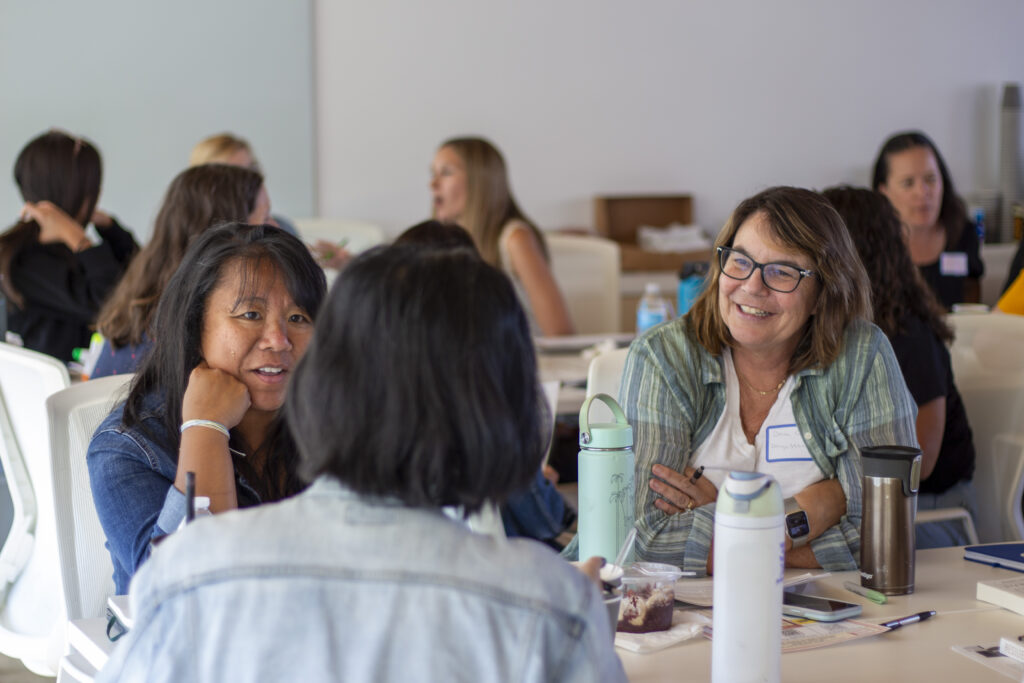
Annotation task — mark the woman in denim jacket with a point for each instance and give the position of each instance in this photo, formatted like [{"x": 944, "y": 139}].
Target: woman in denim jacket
[
  {"x": 233, "y": 322},
  {"x": 418, "y": 391}
]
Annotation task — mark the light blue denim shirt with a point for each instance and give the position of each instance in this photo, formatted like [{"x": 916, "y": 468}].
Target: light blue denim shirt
[
  {"x": 132, "y": 479},
  {"x": 332, "y": 586}
]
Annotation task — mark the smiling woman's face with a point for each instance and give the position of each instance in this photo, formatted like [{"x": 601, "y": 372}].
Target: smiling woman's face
[
  {"x": 760, "y": 319},
  {"x": 257, "y": 336}
]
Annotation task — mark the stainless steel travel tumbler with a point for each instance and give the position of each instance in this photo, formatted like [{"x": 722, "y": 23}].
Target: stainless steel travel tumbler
[{"x": 891, "y": 478}]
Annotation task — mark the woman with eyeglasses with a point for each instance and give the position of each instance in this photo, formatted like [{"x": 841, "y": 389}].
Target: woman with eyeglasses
[{"x": 775, "y": 369}]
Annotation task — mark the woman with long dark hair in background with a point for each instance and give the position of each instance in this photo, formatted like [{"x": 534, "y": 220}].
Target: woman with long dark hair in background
[{"x": 54, "y": 277}]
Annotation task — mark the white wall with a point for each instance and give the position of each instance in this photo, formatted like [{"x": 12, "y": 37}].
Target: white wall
[
  {"x": 718, "y": 99},
  {"x": 145, "y": 81}
]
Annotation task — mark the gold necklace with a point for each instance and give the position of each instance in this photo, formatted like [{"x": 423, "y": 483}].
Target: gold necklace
[{"x": 763, "y": 393}]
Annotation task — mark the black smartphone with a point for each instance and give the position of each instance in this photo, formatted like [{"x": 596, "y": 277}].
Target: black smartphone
[{"x": 817, "y": 608}]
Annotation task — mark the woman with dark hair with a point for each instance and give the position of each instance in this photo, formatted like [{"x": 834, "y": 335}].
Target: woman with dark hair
[
  {"x": 943, "y": 244},
  {"x": 913, "y": 319},
  {"x": 53, "y": 276},
  {"x": 231, "y": 325},
  {"x": 197, "y": 198},
  {"x": 469, "y": 184},
  {"x": 538, "y": 511},
  {"x": 775, "y": 369},
  {"x": 417, "y": 392}
]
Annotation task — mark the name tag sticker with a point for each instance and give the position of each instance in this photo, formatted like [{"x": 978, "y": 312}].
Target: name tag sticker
[
  {"x": 783, "y": 443},
  {"x": 953, "y": 263}
]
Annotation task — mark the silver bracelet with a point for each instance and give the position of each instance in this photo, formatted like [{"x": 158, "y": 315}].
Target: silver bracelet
[{"x": 209, "y": 424}]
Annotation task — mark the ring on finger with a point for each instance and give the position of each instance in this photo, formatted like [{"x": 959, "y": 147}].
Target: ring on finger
[{"x": 689, "y": 506}]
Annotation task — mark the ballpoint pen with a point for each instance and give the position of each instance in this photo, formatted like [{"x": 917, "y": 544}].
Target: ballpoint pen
[
  {"x": 873, "y": 596},
  {"x": 912, "y": 619},
  {"x": 697, "y": 474}
]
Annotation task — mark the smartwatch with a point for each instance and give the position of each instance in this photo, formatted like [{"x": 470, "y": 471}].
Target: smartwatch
[{"x": 797, "y": 527}]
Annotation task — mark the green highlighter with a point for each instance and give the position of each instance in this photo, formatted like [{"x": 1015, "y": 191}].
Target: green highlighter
[{"x": 872, "y": 595}]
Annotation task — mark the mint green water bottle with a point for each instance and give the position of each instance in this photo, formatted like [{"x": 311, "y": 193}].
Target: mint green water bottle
[{"x": 605, "y": 481}]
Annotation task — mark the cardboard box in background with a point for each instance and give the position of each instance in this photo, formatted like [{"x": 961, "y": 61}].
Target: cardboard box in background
[{"x": 619, "y": 216}]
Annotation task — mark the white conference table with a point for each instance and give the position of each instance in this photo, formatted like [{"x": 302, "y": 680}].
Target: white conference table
[{"x": 945, "y": 582}]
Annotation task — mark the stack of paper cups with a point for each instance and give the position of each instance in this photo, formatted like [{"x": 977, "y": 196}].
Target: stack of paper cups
[{"x": 1009, "y": 161}]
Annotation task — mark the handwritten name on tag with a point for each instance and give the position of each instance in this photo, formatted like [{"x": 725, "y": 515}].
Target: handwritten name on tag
[{"x": 783, "y": 443}]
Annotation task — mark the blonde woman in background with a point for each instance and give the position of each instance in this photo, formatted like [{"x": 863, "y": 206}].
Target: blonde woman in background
[
  {"x": 226, "y": 148},
  {"x": 469, "y": 184}
]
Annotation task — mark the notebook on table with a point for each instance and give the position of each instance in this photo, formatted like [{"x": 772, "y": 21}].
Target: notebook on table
[{"x": 1005, "y": 555}]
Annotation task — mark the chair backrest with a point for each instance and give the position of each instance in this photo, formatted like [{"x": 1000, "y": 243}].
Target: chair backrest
[
  {"x": 85, "y": 565},
  {"x": 587, "y": 270},
  {"x": 988, "y": 368},
  {"x": 605, "y": 377},
  {"x": 359, "y": 235},
  {"x": 32, "y": 613}
]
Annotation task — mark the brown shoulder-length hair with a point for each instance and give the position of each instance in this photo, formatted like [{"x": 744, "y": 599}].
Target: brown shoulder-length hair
[
  {"x": 803, "y": 221},
  {"x": 198, "y": 198},
  {"x": 897, "y": 287},
  {"x": 58, "y": 168},
  {"x": 489, "y": 201}
]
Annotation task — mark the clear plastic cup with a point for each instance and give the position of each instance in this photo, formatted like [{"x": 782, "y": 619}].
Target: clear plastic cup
[{"x": 648, "y": 597}]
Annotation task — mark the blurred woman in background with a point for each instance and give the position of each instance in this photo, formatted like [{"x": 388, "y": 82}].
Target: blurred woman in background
[
  {"x": 943, "y": 243},
  {"x": 469, "y": 185},
  {"x": 198, "y": 198},
  {"x": 913, "y": 319},
  {"x": 53, "y": 275}
]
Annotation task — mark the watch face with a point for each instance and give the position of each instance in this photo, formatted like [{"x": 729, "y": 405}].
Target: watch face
[{"x": 797, "y": 525}]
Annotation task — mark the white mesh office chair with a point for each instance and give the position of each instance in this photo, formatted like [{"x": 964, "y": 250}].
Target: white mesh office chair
[
  {"x": 86, "y": 567},
  {"x": 587, "y": 270},
  {"x": 604, "y": 376},
  {"x": 32, "y": 612},
  {"x": 988, "y": 366}
]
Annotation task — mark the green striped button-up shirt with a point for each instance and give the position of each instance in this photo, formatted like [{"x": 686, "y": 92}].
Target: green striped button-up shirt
[{"x": 673, "y": 392}]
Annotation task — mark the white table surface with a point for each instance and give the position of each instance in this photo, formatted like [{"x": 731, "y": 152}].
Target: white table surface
[{"x": 945, "y": 582}]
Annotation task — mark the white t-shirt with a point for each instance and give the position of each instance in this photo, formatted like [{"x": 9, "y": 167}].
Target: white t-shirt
[{"x": 778, "y": 448}]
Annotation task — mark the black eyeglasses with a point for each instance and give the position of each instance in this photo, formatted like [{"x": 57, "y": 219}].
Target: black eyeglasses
[{"x": 777, "y": 276}]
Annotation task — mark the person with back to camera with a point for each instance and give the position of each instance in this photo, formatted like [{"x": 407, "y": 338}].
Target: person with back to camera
[
  {"x": 537, "y": 511},
  {"x": 362, "y": 577},
  {"x": 53, "y": 276},
  {"x": 777, "y": 345},
  {"x": 913, "y": 319},
  {"x": 943, "y": 243},
  {"x": 232, "y": 324},
  {"x": 469, "y": 185},
  {"x": 197, "y": 198}
]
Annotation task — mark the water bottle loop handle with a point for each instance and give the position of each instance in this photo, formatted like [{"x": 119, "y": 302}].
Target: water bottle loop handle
[{"x": 613, "y": 405}]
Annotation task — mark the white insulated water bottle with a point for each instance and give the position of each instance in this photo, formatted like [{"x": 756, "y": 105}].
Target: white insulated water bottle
[{"x": 750, "y": 553}]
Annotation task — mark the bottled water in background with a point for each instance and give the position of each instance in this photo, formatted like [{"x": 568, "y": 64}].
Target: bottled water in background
[
  {"x": 979, "y": 223},
  {"x": 653, "y": 309}
]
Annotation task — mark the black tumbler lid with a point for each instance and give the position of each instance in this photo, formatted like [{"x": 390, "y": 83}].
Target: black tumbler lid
[{"x": 893, "y": 462}]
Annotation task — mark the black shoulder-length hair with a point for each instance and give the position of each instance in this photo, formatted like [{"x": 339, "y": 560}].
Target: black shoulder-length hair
[
  {"x": 897, "y": 287},
  {"x": 178, "y": 327},
  {"x": 420, "y": 382}
]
